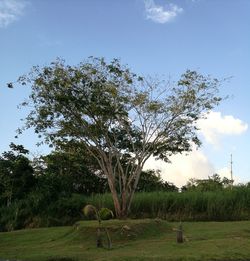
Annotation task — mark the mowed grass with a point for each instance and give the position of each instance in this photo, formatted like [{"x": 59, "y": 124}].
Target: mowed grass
[{"x": 147, "y": 240}]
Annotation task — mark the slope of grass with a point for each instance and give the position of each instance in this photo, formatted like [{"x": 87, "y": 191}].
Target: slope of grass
[{"x": 147, "y": 240}]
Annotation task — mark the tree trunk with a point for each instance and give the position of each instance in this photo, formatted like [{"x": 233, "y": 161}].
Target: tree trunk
[
  {"x": 132, "y": 192},
  {"x": 121, "y": 206},
  {"x": 116, "y": 201},
  {"x": 124, "y": 203}
]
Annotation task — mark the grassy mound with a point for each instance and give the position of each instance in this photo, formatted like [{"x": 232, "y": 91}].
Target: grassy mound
[
  {"x": 142, "y": 240},
  {"x": 123, "y": 230}
]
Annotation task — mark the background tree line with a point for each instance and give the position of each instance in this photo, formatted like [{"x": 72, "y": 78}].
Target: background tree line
[{"x": 52, "y": 189}]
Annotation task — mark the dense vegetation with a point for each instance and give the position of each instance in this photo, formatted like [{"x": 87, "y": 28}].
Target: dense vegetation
[
  {"x": 219, "y": 205},
  {"x": 53, "y": 189}
]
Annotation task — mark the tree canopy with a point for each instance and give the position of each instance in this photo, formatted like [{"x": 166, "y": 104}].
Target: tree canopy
[
  {"x": 16, "y": 174},
  {"x": 121, "y": 119}
]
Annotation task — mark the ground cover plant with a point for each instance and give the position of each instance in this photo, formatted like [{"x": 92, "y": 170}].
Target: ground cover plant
[{"x": 146, "y": 240}]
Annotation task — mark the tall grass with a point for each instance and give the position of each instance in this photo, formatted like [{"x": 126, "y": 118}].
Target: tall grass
[
  {"x": 223, "y": 205},
  {"x": 220, "y": 205}
]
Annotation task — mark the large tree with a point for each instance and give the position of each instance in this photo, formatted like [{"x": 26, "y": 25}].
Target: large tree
[{"x": 120, "y": 118}]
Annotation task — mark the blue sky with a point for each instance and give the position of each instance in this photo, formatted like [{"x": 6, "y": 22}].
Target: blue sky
[{"x": 153, "y": 37}]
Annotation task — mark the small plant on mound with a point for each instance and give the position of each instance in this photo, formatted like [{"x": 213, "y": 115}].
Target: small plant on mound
[
  {"x": 91, "y": 212},
  {"x": 105, "y": 214}
]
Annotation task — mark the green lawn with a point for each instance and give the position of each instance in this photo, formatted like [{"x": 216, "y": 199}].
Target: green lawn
[{"x": 146, "y": 240}]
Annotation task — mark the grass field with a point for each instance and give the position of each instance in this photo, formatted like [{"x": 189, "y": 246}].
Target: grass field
[{"x": 147, "y": 240}]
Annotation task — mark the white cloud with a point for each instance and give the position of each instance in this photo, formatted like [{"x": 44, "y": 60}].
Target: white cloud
[
  {"x": 225, "y": 172},
  {"x": 183, "y": 167},
  {"x": 196, "y": 164},
  {"x": 216, "y": 125},
  {"x": 160, "y": 14},
  {"x": 10, "y": 11}
]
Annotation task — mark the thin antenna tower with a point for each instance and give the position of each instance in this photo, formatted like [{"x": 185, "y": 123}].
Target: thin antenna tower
[{"x": 231, "y": 168}]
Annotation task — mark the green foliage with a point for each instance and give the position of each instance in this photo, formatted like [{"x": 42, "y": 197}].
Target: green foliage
[
  {"x": 67, "y": 209},
  {"x": 37, "y": 211},
  {"x": 103, "y": 213},
  {"x": 76, "y": 169},
  {"x": 106, "y": 214},
  {"x": 221, "y": 205},
  {"x": 119, "y": 118},
  {"x": 151, "y": 181},
  {"x": 213, "y": 183},
  {"x": 42, "y": 195},
  {"x": 16, "y": 175}
]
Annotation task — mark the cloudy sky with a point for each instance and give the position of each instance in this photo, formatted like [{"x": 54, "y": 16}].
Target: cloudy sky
[{"x": 159, "y": 37}]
